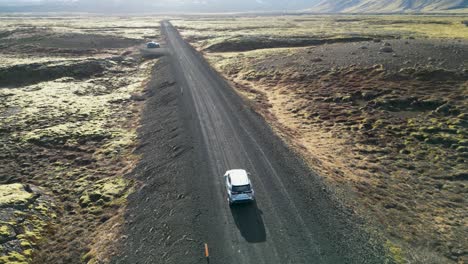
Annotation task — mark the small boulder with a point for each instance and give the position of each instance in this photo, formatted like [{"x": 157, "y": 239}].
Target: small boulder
[
  {"x": 317, "y": 60},
  {"x": 447, "y": 109},
  {"x": 137, "y": 97},
  {"x": 386, "y": 49}
]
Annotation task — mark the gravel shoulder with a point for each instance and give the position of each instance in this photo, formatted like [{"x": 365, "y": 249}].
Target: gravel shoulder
[{"x": 160, "y": 222}]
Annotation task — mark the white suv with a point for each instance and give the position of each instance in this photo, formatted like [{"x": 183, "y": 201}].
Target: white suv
[
  {"x": 238, "y": 186},
  {"x": 153, "y": 45}
]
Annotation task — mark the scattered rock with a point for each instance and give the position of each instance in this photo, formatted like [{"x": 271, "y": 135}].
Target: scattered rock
[
  {"x": 138, "y": 97},
  {"x": 386, "y": 49},
  {"x": 126, "y": 53},
  {"x": 317, "y": 60},
  {"x": 377, "y": 40},
  {"x": 95, "y": 196},
  {"x": 447, "y": 109}
]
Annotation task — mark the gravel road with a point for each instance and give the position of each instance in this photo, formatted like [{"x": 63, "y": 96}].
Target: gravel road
[{"x": 295, "y": 219}]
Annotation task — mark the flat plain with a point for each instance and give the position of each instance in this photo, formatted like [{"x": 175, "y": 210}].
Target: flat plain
[
  {"x": 70, "y": 100},
  {"x": 376, "y": 104}
]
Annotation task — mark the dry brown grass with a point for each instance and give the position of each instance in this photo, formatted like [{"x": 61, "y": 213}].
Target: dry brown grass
[{"x": 392, "y": 143}]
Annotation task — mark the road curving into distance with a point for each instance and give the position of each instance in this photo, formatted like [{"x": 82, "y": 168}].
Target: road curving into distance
[{"x": 295, "y": 219}]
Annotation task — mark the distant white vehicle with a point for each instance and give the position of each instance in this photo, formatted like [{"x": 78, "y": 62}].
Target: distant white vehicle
[
  {"x": 238, "y": 186},
  {"x": 153, "y": 45}
]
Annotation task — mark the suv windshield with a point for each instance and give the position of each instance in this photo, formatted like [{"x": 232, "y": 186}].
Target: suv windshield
[{"x": 243, "y": 188}]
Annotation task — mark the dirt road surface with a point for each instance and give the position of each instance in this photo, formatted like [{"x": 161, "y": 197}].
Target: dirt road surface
[{"x": 295, "y": 219}]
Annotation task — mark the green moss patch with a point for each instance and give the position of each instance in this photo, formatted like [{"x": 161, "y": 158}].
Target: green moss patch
[
  {"x": 396, "y": 253},
  {"x": 74, "y": 132},
  {"x": 104, "y": 192},
  {"x": 13, "y": 195},
  {"x": 68, "y": 119},
  {"x": 14, "y": 258},
  {"x": 7, "y": 232},
  {"x": 26, "y": 214}
]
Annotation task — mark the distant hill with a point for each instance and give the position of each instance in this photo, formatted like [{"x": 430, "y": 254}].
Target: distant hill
[{"x": 388, "y": 6}]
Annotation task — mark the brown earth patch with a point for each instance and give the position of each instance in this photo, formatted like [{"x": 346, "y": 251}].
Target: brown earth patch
[{"x": 392, "y": 138}]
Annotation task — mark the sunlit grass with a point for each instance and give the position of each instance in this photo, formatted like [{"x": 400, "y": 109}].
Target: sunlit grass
[
  {"x": 129, "y": 27},
  {"x": 326, "y": 26}
]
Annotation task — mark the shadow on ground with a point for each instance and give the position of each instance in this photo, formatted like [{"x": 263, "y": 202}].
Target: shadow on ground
[
  {"x": 152, "y": 53},
  {"x": 249, "y": 221}
]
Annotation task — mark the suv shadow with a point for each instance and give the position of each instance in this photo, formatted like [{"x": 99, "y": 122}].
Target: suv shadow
[{"x": 249, "y": 221}]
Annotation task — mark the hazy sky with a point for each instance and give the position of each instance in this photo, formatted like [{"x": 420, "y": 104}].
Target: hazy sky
[
  {"x": 166, "y": 5},
  {"x": 205, "y": 6}
]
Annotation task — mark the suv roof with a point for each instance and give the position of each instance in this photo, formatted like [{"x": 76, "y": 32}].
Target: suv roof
[{"x": 238, "y": 177}]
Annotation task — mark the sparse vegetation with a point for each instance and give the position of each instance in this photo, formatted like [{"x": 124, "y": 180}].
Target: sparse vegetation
[
  {"x": 388, "y": 129},
  {"x": 67, "y": 132},
  {"x": 247, "y": 33}
]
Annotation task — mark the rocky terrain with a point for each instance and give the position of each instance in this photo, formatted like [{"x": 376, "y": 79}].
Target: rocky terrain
[
  {"x": 71, "y": 91},
  {"x": 380, "y": 112}
]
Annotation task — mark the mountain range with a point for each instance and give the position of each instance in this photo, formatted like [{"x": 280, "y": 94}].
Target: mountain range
[
  {"x": 387, "y": 6},
  {"x": 316, "y": 6}
]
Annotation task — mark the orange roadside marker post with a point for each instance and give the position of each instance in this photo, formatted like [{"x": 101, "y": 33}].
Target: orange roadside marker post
[{"x": 207, "y": 253}]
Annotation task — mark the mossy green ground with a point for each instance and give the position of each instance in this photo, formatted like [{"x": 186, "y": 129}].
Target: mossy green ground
[
  {"x": 25, "y": 215},
  {"x": 207, "y": 31},
  {"x": 69, "y": 132},
  {"x": 14, "y": 194}
]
